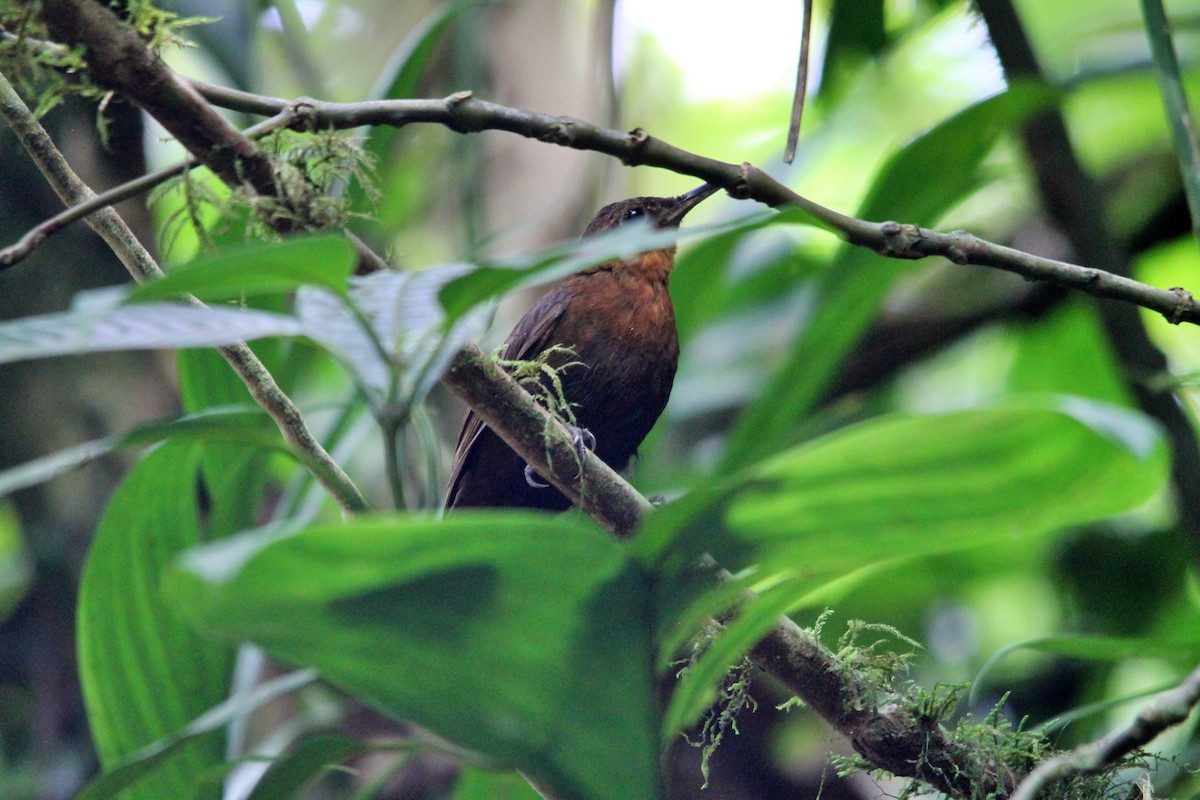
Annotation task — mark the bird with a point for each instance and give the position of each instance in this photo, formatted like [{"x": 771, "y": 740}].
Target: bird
[{"x": 609, "y": 332}]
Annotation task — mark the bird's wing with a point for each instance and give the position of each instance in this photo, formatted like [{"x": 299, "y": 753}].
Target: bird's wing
[{"x": 528, "y": 339}]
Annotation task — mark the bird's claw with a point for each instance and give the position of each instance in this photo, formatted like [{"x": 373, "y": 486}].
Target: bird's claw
[
  {"x": 532, "y": 481},
  {"x": 583, "y": 439}
]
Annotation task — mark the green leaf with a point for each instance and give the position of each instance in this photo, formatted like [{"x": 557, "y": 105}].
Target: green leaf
[
  {"x": 145, "y": 761},
  {"x": 246, "y": 270},
  {"x": 16, "y": 563},
  {"x": 392, "y": 336},
  {"x": 400, "y": 78},
  {"x": 895, "y": 488},
  {"x": 99, "y": 324},
  {"x": 246, "y": 426},
  {"x": 711, "y": 285},
  {"x": 1067, "y": 352},
  {"x": 1097, "y": 648},
  {"x": 483, "y": 628},
  {"x": 235, "y": 475},
  {"x": 480, "y": 784},
  {"x": 910, "y": 486},
  {"x": 942, "y": 163},
  {"x": 857, "y": 31},
  {"x": 697, "y": 686},
  {"x": 144, "y": 674},
  {"x": 292, "y": 772}
]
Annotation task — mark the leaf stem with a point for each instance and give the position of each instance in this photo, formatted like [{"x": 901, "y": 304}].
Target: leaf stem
[{"x": 1183, "y": 128}]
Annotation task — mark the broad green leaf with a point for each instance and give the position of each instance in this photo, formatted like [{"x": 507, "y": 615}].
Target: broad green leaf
[
  {"x": 246, "y": 270},
  {"x": 943, "y": 164},
  {"x": 481, "y": 627},
  {"x": 145, "y": 326},
  {"x": 911, "y": 486},
  {"x": 895, "y": 488},
  {"x": 1067, "y": 352},
  {"x": 207, "y": 383},
  {"x": 235, "y": 474},
  {"x": 142, "y": 763},
  {"x": 144, "y": 674},
  {"x": 391, "y": 332}
]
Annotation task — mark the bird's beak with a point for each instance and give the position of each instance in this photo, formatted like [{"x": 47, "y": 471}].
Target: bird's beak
[{"x": 686, "y": 202}]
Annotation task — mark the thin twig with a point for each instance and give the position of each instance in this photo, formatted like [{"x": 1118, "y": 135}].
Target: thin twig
[
  {"x": 463, "y": 113},
  {"x": 142, "y": 266},
  {"x": 793, "y": 139},
  {"x": 35, "y": 236},
  {"x": 1171, "y": 708}
]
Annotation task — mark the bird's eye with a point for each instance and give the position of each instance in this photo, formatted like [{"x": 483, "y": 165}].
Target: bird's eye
[{"x": 632, "y": 213}]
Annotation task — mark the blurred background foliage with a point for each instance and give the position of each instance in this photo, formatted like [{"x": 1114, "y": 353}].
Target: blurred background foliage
[{"x": 909, "y": 336}]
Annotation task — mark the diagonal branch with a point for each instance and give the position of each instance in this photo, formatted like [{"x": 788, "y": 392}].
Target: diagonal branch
[
  {"x": 120, "y": 59},
  {"x": 891, "y": 737}
]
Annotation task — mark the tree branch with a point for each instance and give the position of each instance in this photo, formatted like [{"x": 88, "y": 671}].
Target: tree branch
[
  {"x": 34, "y": 237},
  {"x": 520, "y": 421},
  {"x": 118, "y": 58},
  {"x": 1171, "y": 708},
  {"x": 464, "y": 113}
]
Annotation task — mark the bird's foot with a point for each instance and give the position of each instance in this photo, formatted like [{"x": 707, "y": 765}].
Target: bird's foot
[
  {"x": 583, "y": 439},
  {"x": 532, "y": 481}
]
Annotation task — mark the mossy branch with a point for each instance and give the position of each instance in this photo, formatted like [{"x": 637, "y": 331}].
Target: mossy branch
[{"x": 1171, "y": 708}]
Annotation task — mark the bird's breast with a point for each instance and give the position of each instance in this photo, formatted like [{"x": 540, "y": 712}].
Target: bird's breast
[{"x": 625, "y": 339}]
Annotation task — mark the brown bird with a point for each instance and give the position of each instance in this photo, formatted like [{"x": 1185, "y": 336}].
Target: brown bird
[{"x": 618, "y": 321}]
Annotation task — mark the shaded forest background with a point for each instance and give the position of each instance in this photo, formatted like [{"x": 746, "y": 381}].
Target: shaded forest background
[{"x": 919, "y": 337}]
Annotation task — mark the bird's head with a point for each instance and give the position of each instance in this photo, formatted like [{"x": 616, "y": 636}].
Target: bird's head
[{"x": 661, "y": 212}]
